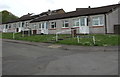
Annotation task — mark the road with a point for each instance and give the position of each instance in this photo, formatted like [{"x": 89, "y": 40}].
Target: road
[{"x": 24, "y": 59}]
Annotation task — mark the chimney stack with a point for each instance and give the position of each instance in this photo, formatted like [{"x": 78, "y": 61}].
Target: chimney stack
[
  {"x": 49, "y": 12},
  {"x": 89, "y": 6}
]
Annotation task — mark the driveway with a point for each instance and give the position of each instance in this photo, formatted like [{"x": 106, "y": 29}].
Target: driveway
[{"x": 49, "y": 59}]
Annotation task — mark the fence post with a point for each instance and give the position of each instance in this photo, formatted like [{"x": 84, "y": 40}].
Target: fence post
[
  {"x": 13, "y": 35},
  {"x": 94, "y": 39},
  {"x": 56, "y": 37},
  {"x": 78, "y": 39}
]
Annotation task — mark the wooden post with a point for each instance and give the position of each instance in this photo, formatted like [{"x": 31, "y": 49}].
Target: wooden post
[
  {"x": 93, "y": 39},
  {"x": 78, "y": 39},
  {"x": 13, "y": 35},
  {"x": 56, "y": 37}
]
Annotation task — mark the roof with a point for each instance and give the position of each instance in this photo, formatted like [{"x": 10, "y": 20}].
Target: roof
[
  {"x": 79, "y": 12},
  {"x": 23, "y": 18},
  {"x": 51, "y": 11},
  {"x": 29, "y": 16}
]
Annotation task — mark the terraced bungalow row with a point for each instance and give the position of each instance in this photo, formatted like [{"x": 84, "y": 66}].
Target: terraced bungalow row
[{"x": 83, "y": 20}]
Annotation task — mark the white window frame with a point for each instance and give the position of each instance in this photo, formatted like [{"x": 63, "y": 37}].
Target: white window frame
[
  {"x": 39, "y": 24},
  {"x": 23, "y": 24},
  {"x": 42, "y": 25},
  {"x": 85, "y": 21},
  {"x": 64, "y": 23},
  {"x": 53, "y": 24},
  {"x": 75, "y": 21},
  {"x": 98, "y": 19}
]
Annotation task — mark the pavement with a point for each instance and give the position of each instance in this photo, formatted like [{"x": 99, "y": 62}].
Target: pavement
[{"x": 31, "y": 58}]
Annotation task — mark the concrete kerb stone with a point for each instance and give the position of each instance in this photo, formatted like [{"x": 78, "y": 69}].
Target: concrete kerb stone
[{"x": 67, "y": 47}]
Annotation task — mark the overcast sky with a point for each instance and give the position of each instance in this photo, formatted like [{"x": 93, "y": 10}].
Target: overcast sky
[{"x": 22, "y": 7}]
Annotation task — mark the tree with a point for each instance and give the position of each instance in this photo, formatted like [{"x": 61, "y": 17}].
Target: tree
[{"x": 7, "y": 16}]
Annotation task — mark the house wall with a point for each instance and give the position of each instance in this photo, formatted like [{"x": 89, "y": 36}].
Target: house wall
[
  {"x": 59, "y": 26},
  {"x": 11, "y": 27},
  {"x": 93, "y": 29},
  {"x": 112, "y": 19},
  {"x": 119, "y": 15},
  {"x": 4, "y": 28},
  {"x": 100, "y": 29},
  {"x": 1, "y": 28}
]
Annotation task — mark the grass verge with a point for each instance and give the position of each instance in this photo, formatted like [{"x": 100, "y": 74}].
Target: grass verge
[{"x": 101, "y": 39}]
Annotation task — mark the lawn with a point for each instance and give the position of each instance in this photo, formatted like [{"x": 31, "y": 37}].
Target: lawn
[{"x": 101, "y": 39}]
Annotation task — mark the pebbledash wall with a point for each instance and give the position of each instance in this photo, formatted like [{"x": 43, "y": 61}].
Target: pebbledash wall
[
  {"x": 59, "y": 25},
  {"x": 109, "y": 20},
  {"x": 96, "y": 29}
]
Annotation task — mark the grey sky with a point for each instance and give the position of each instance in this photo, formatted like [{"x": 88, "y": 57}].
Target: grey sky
[{"x": 22, "y": 7}]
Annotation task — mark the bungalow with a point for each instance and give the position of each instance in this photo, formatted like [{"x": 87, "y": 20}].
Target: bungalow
[
  {"x": 22, "y": 23},
  {"x": 19, "y": 24},
  {"x": 84, "y": 20},
  {"x": 9, "y": 26},
  {"x": 35, "y": 28}
]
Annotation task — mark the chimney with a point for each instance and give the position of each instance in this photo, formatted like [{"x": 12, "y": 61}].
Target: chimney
[
  {"x": 89, "y": 6},
  {"x": 28, "y": 13},
  {"x": 49, "y": 12}
]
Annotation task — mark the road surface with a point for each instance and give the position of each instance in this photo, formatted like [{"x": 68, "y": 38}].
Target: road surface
[{"x": 24, "y": 59}]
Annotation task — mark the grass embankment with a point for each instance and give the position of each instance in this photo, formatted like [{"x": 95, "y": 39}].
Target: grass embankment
[{"x": 101, "y": 39}]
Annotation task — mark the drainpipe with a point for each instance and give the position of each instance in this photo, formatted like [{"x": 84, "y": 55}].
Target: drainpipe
[{"x": 105, "y": 24}]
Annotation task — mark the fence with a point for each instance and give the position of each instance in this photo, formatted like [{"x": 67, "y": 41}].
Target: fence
[{"x": 93, "y": 38}]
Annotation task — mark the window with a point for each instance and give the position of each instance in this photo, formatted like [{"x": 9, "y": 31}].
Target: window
[
  {"x": 47, "y": 24},
  {"x": 39, "y": 25},
  {"x": 76, "y": 22},
  {"x": 42, "y": 25},
  {"x": 6, "y": 26},
  {"x": 34, "y": 26},
  {"x": 27, "y": 24},
  {"x": 9, "y": 26},
  {"x": 14, "y": 26},
  {"x": 97, "y": 21},
  {"x": 83, "y": 21},
  {"x": 19, "y": 25},
  {"x": 22, "y": 24},
  {"x": 65, "y": 24},
  {"x": 53, "y": 25}
]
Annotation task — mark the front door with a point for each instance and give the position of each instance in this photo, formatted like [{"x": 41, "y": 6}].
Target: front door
[
  {"x": 17, "y": 30},
  {"x": 34, "y": 32},
  {"x": 84, "y": 28},
  {"x": 44, "y": 28}
]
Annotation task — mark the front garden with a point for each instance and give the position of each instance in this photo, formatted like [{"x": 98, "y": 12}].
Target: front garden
[{"x": 86, "y": 40}]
